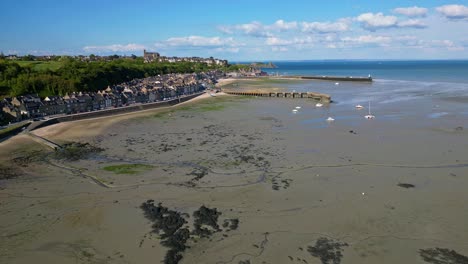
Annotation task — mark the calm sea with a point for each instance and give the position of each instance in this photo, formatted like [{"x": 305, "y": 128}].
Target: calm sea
[
  {"x": 394, "y": 81},
  {"x": 427, "y": 71}
]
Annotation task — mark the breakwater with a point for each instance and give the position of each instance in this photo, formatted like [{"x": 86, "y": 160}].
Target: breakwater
[
  {"x": 338, "y": 78},
  {"x": 325, "y": 98}
]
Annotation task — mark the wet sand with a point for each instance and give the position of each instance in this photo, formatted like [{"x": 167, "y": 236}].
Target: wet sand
[{"x": 292, "y": 180}]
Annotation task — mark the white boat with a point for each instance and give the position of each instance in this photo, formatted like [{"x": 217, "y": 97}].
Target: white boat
[
  {"x": 330, "y": 119},
  {"x": 212, "y": 94},
  {"x": 369, "y": 116},
  {"x": 298, "y": 107},
  {"x": 294, "y": 110},
  {"x": 318, "y": 105},
  {"x": 358, "y": 106},
  {"x": 337, "y": 83}
]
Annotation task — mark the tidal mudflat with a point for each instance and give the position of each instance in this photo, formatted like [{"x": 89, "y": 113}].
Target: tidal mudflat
[{"x": 242, "y": 180}]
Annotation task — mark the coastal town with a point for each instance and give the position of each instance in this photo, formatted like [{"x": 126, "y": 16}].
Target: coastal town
[{"x": 137, "y": 91}]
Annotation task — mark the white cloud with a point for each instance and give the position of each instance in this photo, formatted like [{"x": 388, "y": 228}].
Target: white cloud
[
  {"x": 274, "y": 41},
  {"x": 447, "y": 44},
  {"x": 325, "y": 27},
  {"x": 368, "y": 39},
  {"x": 282, "y": 49},
  {"x": 414, "y": 23},
  {"x": 228, "y": 49},
  {"x": 281, "y": 25},
  {"x": 453, "y": 11},
  {"x": 199, "y": 41},
  {"x": 115, "y": 48},
  {"x": 225, "y": 29},
  {"x": 371, "y": 21},
  {"x": 257, "y": 29},
  {"x": 411, "y": 11}
]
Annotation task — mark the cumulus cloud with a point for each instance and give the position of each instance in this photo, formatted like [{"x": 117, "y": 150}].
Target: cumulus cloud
[
  {"x": 257, "y": 29},
  {"x": 276, "y": 49},
  {"x": 372, "y": 22},
  {"x": 199, "y": 41},
  {"x": 282, "y": 25},
  {"x": 368, "y": 39},
  {"x": 115, "y": 48},
  {"x": 447, "y": 44},
  {"x": 414, "y": 23},
  {"x": 325, "y": 27},
  {"x": 453, "y": 11},
  {"x": 228, "y": 49},
  {"x": 275, "y": 41},
  {"x": 411, "y": 11}
]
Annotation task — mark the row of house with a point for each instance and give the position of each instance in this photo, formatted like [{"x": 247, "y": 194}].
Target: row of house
[
  {"x": 154, "y": 56},
  {"x": 138, "y": 91}
]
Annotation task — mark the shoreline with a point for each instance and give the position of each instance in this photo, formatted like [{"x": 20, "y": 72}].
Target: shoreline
[{"x": 105, "y": 121}]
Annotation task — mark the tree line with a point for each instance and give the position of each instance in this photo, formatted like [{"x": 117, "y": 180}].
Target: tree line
[{"x": 75, "y": 75}]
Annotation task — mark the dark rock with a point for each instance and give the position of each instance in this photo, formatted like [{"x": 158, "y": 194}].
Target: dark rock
[
  {"x": 206, "y": 221},
  {"x": 164, "y": 220},
  {"x": 231, "y": 223},
  {"x": 327, "y": 250},
  {"x": 406, "y": 185},
  {"x": 442, "y": 256},
  {"x": 168, "y": 224}
]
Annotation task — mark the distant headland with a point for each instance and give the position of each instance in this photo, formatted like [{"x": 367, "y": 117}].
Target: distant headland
[{"x": 265, "y": 65}]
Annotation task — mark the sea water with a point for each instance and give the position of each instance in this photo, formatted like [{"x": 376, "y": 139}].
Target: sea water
[
  {"x": 426, "y": 71},
  {"x": 425, "y": 89}
]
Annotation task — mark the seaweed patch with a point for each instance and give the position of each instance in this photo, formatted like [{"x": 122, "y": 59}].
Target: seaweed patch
[
  {"x": 75, "y": 151},
  {"x": 171, "y": 227},
  {"x": 206, "y": 221},
  {"x": 406, "y": 185},
  {"x": 442, "y": 256},
  {"x": 327, "y": 250}
]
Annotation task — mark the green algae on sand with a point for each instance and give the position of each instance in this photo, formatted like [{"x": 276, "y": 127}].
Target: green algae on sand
[{"x": 128, "y": 168}]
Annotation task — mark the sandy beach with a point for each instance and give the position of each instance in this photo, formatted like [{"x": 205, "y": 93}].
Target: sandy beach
[{"x": 287, "y": 187}]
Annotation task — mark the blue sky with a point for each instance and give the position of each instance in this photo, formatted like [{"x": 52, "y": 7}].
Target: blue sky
[{"x": 238, "y": 30}]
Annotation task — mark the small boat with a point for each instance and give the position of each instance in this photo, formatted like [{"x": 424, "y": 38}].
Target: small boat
[
  {"x": 294, "y": 110},
  {"x": 369, "y": 116},
  {"x": 337, "y": 83},
  {"x": 330, "y": 119},
  {"x": 212, "y": 94},
  {"x": 298, "y": 107},
  {"x": 318, "y": 105},
  {"x": 358, "y": 106}
]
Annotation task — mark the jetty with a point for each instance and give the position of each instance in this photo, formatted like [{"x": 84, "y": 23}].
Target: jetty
[
  {"x": 325, "y": 98},
  {"x": 338, "y": 78}
]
